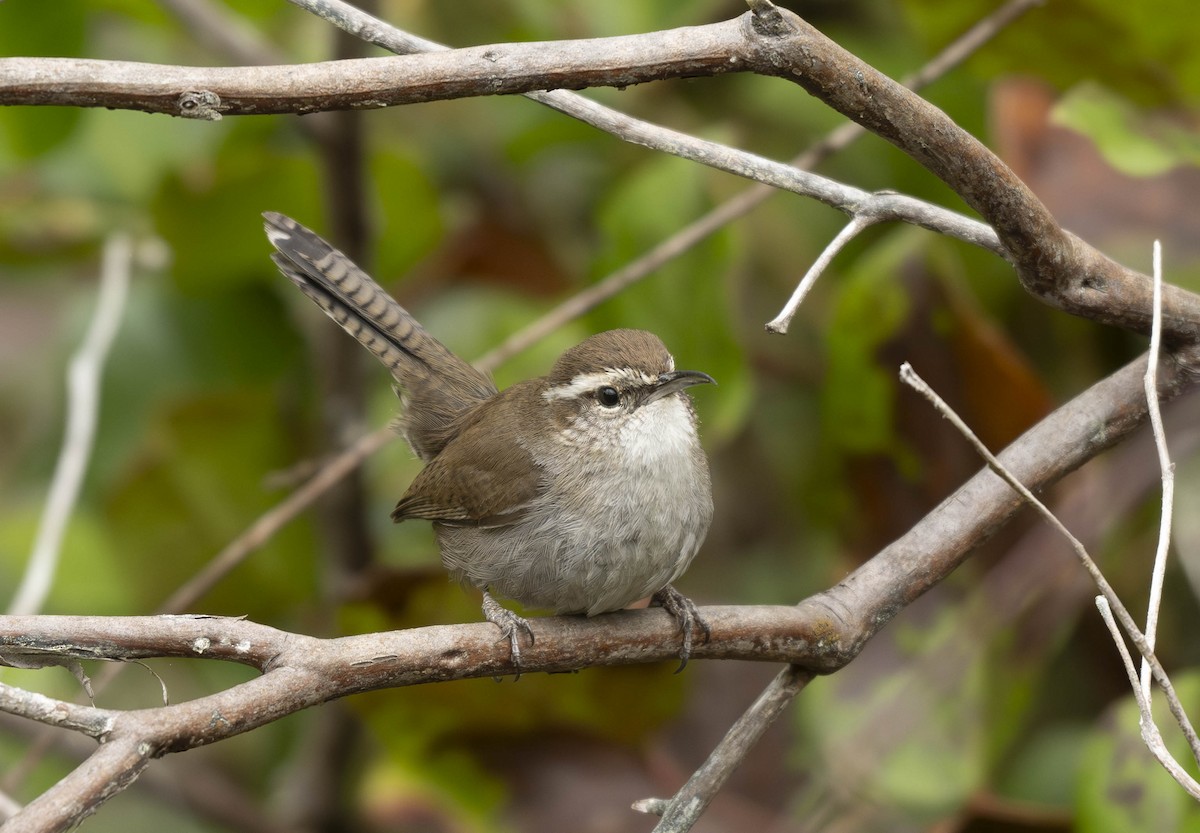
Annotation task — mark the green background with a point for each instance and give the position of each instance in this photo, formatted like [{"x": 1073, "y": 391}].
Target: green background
[{"x": 995, "y": 703}]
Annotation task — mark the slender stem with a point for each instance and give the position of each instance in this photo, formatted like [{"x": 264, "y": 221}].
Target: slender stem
[
  {"x": 84, "y": 376},
  {"x": 1165, "y": 465}
]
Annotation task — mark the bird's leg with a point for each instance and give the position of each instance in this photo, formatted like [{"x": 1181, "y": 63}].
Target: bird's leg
[
  {"x": 687, "y": 615},
  {"x": 511, "y": 625}
]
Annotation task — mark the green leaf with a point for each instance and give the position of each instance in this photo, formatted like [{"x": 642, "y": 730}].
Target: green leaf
[
  {"x": 1045, "y": 771},
  {"x": 210, "y": 213},
  {"x": 1132, "y": 141},
  {"x": 195, "y": 484},
  {"x": 28, "y": 31},
  {"x": 89, "y": 578},
  {"x": 1140, "y": 50},
  {"x": 859, "y": 397},
  {"x": 1123, "y": 789},
  {"x": 410, "y": 225},
  {"x": 904, "y": 736}
]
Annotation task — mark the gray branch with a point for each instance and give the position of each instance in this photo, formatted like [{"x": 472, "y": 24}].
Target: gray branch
[
  {"x": 1052, "y": 264},
  {"x": 821, "y": 634}
]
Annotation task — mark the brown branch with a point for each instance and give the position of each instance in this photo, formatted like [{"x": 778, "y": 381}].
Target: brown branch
[
  {"x": 191, "y": 785},
  {"x": 372, "y": 83},
  {"x": 1051, "y": 263},
  {"x": 1093, "y": 421},
  {"x": 821, "y": 634},
  {"x": 685, "y": 808},
  {"x": 353, "y": 664},
  {"x": 108, "y": 771}
]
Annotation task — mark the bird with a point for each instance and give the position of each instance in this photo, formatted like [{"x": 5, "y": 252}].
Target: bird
[{"x": 581, "y": 491}]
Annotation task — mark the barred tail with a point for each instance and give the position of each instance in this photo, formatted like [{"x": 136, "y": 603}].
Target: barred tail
[{"x": 437, "y": 384}]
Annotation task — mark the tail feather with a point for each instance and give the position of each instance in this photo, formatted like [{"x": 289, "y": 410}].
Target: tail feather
[{"x": 437, "y": 386}]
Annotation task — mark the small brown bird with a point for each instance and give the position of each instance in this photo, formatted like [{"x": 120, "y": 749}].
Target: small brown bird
[{"x": 582, "y": 491}]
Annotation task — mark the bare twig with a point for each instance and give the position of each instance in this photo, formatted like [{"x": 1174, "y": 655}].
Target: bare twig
[
  {"x": 320, "y": 86},
  {"x": 859, "y": 222},
  {"x": 1150, "y": 733},
  {"x": 687, "y": 805},
  {"x": 83, "y": 397},
  {"x": 1168, "y": 473},
  {"x": 909, "y": 376},
  {"x": 274, "y": 519},
  {"x": 89, "y": 720}
]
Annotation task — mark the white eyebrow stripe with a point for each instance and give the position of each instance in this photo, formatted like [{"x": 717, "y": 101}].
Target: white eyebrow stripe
[{"x": 585, "y": 382}]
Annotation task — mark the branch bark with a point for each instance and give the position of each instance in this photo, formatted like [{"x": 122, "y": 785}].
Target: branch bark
[
  {"x": 1052, "y": 264},
  {"x": 372, "y": 83},
  {"x": 821, "y": 634}
]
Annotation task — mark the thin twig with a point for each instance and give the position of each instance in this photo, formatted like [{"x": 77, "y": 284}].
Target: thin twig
[
  {"x": 910, "y": 377},
  {"x": 1165, "y": 465},
  {"x": 687, "y": 805},
  {"x": 83, "y": 406},
  {"x": 859, "y": 222},
  {"x": 271, "y": 521},
  {"x": 1150, "y": 732},
  {"x": 91, "y": 721}
]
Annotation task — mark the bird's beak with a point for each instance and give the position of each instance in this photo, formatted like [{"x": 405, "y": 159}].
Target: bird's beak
[{"x": 677, "y": 380}]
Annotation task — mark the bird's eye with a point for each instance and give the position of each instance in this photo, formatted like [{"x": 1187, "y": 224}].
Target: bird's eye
[{"x": 608, "y": 396}]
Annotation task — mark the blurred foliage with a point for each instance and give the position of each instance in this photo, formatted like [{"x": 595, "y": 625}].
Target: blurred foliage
[
  {"x": 1131, "y": 140},
  {"x": 981, "y": 708},
  {"x": 1121, "y": 785}
]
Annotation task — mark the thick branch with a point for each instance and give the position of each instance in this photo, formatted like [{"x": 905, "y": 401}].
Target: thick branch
[
  {"x": 359, "y": 663},
  {"x": 370, "y": 83},
  {"x": 1097, "y": 419},
  {"x": 109, "y": 770},
  {"x": 1053, "y": 264}
]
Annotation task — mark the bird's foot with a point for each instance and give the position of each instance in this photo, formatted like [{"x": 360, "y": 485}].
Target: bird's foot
[
  {"x": 687, "y": 615},
  {"x": 511, "y": 626}
]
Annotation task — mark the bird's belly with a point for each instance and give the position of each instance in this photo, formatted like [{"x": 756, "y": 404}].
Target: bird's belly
[{"x": 571, "y": 563}]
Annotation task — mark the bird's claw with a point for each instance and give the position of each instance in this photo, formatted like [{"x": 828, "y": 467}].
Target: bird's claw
[
  {"x": 511, "y": 626},
  {"x": 685, "y": 612}
]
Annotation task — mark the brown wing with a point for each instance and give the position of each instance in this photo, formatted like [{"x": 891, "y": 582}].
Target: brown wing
[{"x": 479, "y": 478}]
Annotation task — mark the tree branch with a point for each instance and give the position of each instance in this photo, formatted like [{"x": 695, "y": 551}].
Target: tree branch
[
  {"x": 1052, "y": 264},
  {"x": 1093, "y": 421},
  {"x": 372, "y": 83}
]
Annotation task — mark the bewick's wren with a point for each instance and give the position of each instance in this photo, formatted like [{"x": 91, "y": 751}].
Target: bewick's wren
[{"x": 582, "y": 491}]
